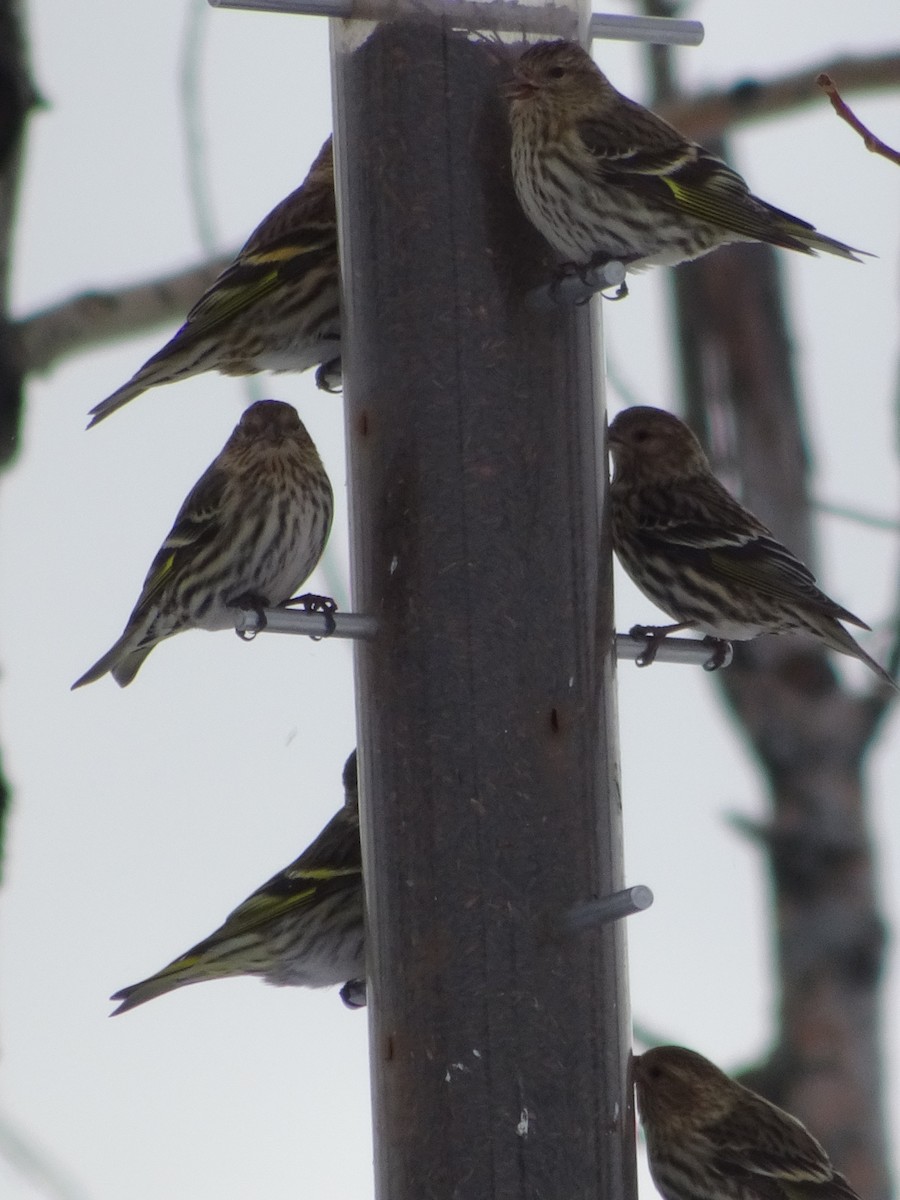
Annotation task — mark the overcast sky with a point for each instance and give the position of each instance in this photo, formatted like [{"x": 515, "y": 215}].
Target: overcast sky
[{"x": 142, "y": 816}]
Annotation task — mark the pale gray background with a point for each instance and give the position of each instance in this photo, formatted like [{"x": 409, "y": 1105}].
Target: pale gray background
[{"x": 142, "y": 816}]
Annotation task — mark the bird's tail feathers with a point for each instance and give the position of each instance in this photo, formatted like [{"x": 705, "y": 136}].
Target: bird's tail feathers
[
  {"x": 818, "y": 241},
  {"x": 176, "y": 975},
  {"x": 121, "y": 664},
  {"x": 101, "y": 667},
  {"x": 837, "y": 637},
  {"x": 119, "y": 397},
  {"x": 125, "y": 670},
  {"x": 810, "y": 241}
]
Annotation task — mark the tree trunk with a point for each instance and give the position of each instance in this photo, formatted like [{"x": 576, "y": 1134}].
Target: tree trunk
[
  {"x": 809, "y": 734},
  {"x": 17, "y": 96}
]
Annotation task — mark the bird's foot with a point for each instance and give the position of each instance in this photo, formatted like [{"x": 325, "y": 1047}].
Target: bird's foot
[
  {"x": 615, "y": 291},
  {"x": 312, "y": 603},
  {"x": 721, "y": 653},
  {"x": 580, "y": 271},
  {"x": 654, "y": 636},
  {"x": 562, "y": 291},
  {"x": 329, "y": 376},
  {"x": 353, "y": 993},
  {"x": 254, "y": 604}
]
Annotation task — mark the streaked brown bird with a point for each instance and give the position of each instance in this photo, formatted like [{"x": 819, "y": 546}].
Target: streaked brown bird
[
  {"x": 710, "y": 1138},
  {"x": 303, "y": 928},
  {"x": 603, "y": 178},
  {"x": 276, "y": 308},
  {"x": 699, "y": 555},
  {"x": 249, "y": 533}
]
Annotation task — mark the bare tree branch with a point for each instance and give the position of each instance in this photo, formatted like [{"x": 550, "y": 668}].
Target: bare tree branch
[
  {"x": 712, "y": 113},
  {"x": 81, "y": 322},
  {"x": 846, "y": 113}
]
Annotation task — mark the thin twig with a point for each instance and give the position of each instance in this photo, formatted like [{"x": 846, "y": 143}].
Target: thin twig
[
  {"x": 193, "y": 129},
  {"x": 34, "y": 1163},
  {"x": 847, "y": 513},
  {"x": 846, "y": 113}
]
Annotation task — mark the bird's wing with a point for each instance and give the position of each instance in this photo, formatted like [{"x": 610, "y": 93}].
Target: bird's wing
[
  {"x": 336, "y": 847},
  {"x": 256, "y": 274},
  {"x": 288, "y": 891},
  {"x": 707, "y": 188},
  {"x": 699, "y": 513},
  {"x": 781, "y": 1171},
  {"x": 644, "y": 152},
  {"x": 768, "y": 1146},
  {"x": 705, "y": 525},
  {"x": 308, "y": 211},
  {"x": 277, "y": 898},
  {"x": 835, "y": 1188},
  {"x": 760, "y": 563},
  {"x": 766, "y": 564},
  {"x": 197, "y": 522},
  {"x": 329, "y": 865},
  {"x": 639, "y": 143}
]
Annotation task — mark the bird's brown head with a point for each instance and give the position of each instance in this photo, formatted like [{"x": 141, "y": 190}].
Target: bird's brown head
[
  {"x": 678, "y": 1085},
  {"x": 270, "y": 420},
  {"x": 653, "y": 445},
  {"x": 560, "y": 75}
]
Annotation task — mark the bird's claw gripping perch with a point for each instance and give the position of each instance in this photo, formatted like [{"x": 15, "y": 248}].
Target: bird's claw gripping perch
[
  {"x": 353, "y": 993},
  {"x": 312, "y": 603},
  {"x": 619, "y": 294},
  {"x": 329, "y": 376},
  {"x": 653, "y": 636},
  {"x": 255, "y": 605},
  {"x": 591, "y": 276},
  {"x": 600, "y": 266},
  {"x": 721, "y": 653}
]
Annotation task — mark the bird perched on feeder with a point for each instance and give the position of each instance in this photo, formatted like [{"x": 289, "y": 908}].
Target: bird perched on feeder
[
  {"x": 304, "y": 928},
  {"x": 700, "y": 555},
  {"x": 275, "y": 308},
  {"x": 605, "y": 179},
  {"x": 251, "y": 531},
  {"x": 710, "y": 1138}
]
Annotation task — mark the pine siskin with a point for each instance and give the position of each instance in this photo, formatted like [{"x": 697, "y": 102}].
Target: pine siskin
[
  {"x": 250, "y": 532},
  {"x": 698, "y": 554},
  {"x": 603, "y": 178},
  {"x": 276, "y": 308},
  {"x": 304, "y": 928},
  {"x": 709, "y": 1138}
]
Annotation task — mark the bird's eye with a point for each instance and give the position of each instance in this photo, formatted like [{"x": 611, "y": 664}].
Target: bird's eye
[
  {"x": 641, "y": 435},
  {"x": 556, "y": 72}
]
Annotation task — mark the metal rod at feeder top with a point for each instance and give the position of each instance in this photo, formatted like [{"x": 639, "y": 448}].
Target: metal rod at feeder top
[{"x": 493, "y": 14}]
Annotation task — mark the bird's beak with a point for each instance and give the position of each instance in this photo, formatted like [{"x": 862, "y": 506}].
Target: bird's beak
[{"x": 518, "y": 89}]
